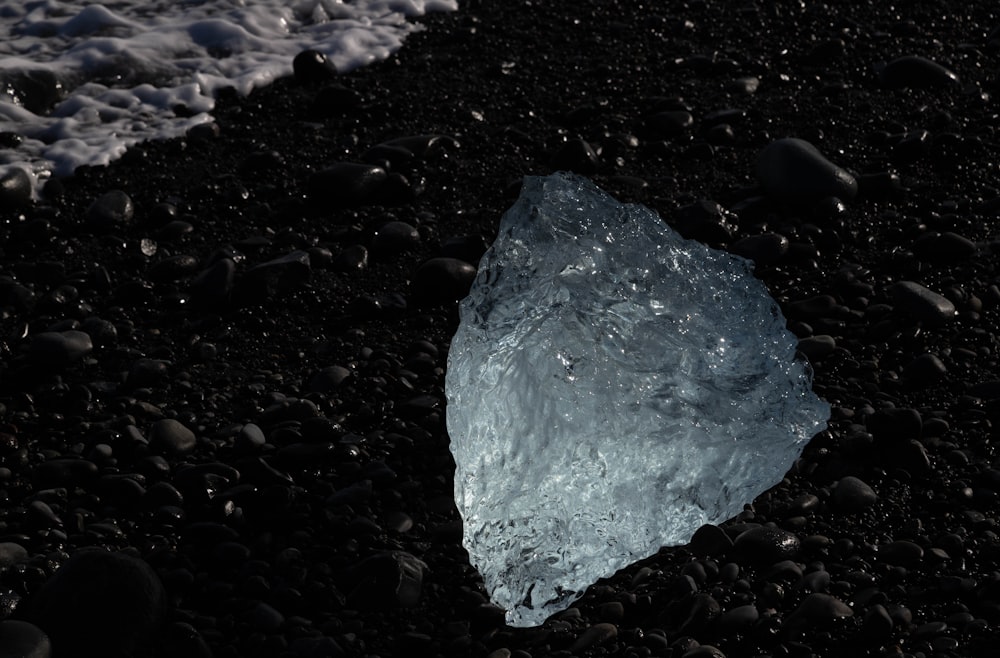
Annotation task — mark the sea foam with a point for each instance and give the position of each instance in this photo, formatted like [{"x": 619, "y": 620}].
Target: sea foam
[{"x": 116, "y": 74}]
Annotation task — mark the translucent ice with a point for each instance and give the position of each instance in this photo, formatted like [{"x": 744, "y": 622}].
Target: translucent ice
[{"x": 611, "y": 388}]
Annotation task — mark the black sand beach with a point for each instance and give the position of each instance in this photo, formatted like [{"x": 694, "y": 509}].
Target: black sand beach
[{"x": 233, "y": 379}]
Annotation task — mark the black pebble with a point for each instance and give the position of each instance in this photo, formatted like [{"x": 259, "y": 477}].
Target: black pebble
[
  {"x": 442, "y": 280},
  {"x": 915, "y": 72},
  {"x": 577, "y": 156},
  {"x": 171, "y": 437},
  {"x": 386, "y": 580},
  {"x": 923, "y": 304},
  {"x": 15, "y": 189},
  {"x": 767, "y": 544},
  {"x": 110, "y": 210},
  {"x": 710, "y": 540},
  {"x": 852, "y": 494},
  {"x": 59, "y": 349},
  {"x": 100, "y": 603},
  {"x": 312, "y": 67},
  {"x": 347, "y": 184},
  {"x": 20, "y": 639},
  {"x": 794, "y": 172}
]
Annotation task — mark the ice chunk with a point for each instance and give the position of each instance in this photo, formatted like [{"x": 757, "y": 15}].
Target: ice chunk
[{"x": 611, "y": 387}]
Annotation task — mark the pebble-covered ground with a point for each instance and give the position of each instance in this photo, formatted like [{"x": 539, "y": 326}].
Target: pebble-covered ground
[{"x": 223, "y": 356}]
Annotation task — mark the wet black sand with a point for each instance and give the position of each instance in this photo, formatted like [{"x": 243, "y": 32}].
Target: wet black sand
[{"x": 290, "y": 521}]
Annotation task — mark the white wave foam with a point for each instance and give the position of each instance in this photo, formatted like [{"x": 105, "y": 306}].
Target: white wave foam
[{"x": 120, "y": 70}]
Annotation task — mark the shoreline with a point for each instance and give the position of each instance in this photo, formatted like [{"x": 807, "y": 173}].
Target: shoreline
[{"x": 279, "y": 313}]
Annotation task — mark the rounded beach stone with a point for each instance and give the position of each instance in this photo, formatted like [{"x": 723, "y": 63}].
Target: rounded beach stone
[
  {"x": 111, "y": 209},
  {"x": 710, "y": 539},
  {"x": 311, "y": 66},
  {"x": 576, "y": 155},
  {"x": 922, "y": 303},
  {"x": 169, "y": 436},
  {"x": 20, "y": 639},
  {"x": 60, "y": 348},
  {"x": 346, "y": 184},
  {"x": 767, "y": 544},
  {"x": 443, "y": 280},
  {"x": 11, "y": 553},
  {"x": 15, "y": 189},
  {"x": 915, "y": 72},
  {"x": 597, "y": 634},
  {"x": 818, "y": 608},
  {"x": 794, "y": 172},
  {"x": 100, "y": 603},
  {"x": 852, "y": 494}
]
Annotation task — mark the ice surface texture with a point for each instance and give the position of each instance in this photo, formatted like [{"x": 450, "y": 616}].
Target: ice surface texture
[{"x": 611, "y": 388}]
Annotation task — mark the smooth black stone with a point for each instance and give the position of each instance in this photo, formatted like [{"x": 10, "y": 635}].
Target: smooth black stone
[
  {"x": 944, "y": 247},
  {"x": 313, "y": 67},
  {"x": 275, "y": 277},
  {"x": 328, "y": 379},
  {"x": 64, "y": 472},
  {"x": 171, "y": 437},
  {"x": 595, "y": 635},
  {"x": 395, "y": 237},
  {"x": 902, "y": 553},
  {"x": 100, "y": 603},
  {"x": 710, "y": 540},
  {"x": 577, "y": 156},
  {"x": 469, "y": 248},
  {"x": 915, "y": 72},
  {"x": 147, "y": 372},
  {"x": 214, "y": 284},
  {"x": 442, "y": 280},
  {"x": 11, "y": 553},
  {"x": 335, "y": 100},
  {"x": 110, "y": 210},
  {"x": 793, "y": 172},
  {"x": 737, "y": 620},
  {"x": 925, "y": 370},
  {"x": 386, "y": 580},
  {"x": 877, "y": 622},
  {"x": 347, "y": 184},
  {"x": 36, "y": 90},
  {"x": 351, "y": 259},
  {"x": 20, "y": 639},
  {"x": 819, "y": 608},
  {"x": 59, "y": 349},
  {"x": 895, "y": 424},
  {"x": 817, "y": 347},
  {"x": 922, "y": 303},
  {"x": 15, "y": 189},
  {"x": 705, "y": 221},
  {"x": 670, "y": 123},
  {"x": 764, "y": 249},
  {"x": 852, "y": 494},
  {"x": 766, "y": 544},
  {"x": 424, "y": 146}
]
